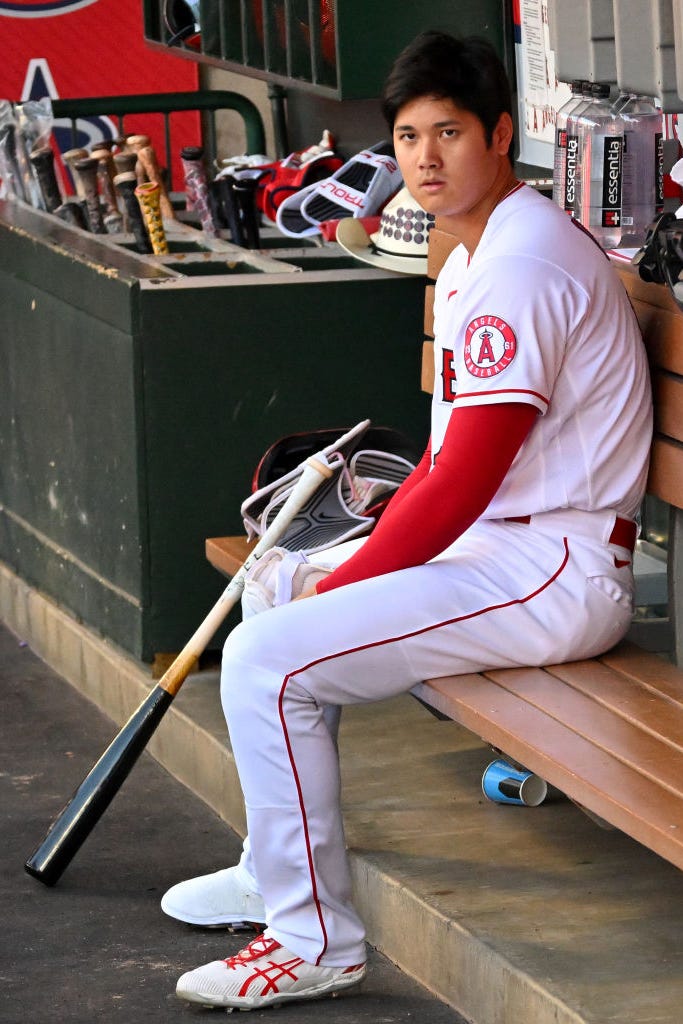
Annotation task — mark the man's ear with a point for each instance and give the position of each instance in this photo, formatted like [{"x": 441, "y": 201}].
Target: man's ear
[{"x": 503, "y": 134}]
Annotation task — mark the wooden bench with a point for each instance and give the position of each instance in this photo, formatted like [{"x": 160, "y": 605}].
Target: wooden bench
[{"x": 607, "y": 732}]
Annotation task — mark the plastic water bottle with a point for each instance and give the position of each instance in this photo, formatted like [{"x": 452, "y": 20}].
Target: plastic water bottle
[
  {"x": 569, "y": 198},
  {"x": 600, "y": 159},
  {"x": 643, "y": 181},
  {"x": 560, "y": 158}
]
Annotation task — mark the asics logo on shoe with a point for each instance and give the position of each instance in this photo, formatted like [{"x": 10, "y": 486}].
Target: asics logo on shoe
[
  {"x": 271, "y": 973},
  {"x": 265, "y": 973}
]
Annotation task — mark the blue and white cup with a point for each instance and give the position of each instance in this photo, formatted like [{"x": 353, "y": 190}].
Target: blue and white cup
[{"x": 504, "y": 783}]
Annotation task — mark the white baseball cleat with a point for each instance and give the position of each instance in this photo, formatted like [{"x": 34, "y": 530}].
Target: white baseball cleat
[
  {"x": 211, "y": 901},
  {"x": 263, "y": 974}
]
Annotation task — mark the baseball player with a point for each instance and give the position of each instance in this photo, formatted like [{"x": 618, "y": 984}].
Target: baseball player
[{"x": 510, "y": 544}]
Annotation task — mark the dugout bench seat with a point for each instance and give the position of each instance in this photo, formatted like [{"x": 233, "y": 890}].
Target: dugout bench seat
[{"x": 607, "y": 732}]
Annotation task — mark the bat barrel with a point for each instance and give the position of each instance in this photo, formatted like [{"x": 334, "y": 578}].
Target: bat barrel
[{"x": 75, "y": 823}]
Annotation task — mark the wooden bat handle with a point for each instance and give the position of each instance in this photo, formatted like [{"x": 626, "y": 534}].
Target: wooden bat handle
[
  {"x": 70, "y": 158},
  {"x": 315, "y": 471},
  {"x": 43, "y": 160},
  {"x": 125, "y": 162},
  {"x": 105, "y": 176},
  {"x": 196, "y": 187},
  {"x": 86, "y": 172},
  {"x": 148, "y": 160},
  {"x": 134, "y": 144},
  {"x": 126, "y": 184}
]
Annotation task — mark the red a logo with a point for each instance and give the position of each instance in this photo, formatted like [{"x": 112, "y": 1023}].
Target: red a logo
[{"x": 486, "y": 350}]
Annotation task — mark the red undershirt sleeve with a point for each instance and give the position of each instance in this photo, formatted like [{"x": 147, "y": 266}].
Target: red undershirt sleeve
[
  {"x": 418, "y": 474},
  {"x": 432, "y": 509}
]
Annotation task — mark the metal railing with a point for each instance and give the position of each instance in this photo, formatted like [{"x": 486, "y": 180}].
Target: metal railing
[
  {"x": 283, "y": 40},
  {"x": 209, "y": 102}
]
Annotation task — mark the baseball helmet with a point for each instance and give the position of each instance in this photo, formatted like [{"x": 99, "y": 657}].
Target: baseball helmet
[
  {"x": 289, "y": 452},
  {"x": 182, "y": 20},
  {"x": 367, "y": 470}
]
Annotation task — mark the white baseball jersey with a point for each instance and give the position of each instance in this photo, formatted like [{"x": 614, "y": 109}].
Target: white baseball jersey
[{"x": 536, "y": 316}]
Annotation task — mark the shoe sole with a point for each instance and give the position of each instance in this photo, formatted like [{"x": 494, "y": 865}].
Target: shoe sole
[
  {"x": 231, "y": 924},
  {"x": 237, "y": 923},
  {"x": 219, "y": 924},
  {"x": 330, "y": 988}
]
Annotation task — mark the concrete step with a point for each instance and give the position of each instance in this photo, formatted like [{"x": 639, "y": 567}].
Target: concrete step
[{"x": 511, "y": 915}]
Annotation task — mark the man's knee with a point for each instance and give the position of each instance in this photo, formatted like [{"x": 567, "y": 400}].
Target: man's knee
[
  {"x": 245, "y": 681},
  {"x": 241, "y": 642}
]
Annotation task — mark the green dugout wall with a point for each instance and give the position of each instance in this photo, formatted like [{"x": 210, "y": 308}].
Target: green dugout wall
[{"x": 135, "y": 406}]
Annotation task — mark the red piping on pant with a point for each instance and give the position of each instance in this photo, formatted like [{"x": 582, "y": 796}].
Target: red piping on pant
[{"x": 365, "y": 647}]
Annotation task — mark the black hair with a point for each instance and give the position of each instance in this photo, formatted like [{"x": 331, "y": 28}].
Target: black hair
[{"x": 467, "y": 71}]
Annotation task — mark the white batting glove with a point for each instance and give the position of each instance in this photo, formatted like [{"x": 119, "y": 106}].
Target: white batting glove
[{"x": 277, "y": 578}]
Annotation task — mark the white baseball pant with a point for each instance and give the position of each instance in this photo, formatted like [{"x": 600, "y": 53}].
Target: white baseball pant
[{"x": 504, "y": 594}]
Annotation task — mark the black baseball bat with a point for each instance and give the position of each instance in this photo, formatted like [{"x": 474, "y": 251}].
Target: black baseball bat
[{"x": 76, "y": 821}]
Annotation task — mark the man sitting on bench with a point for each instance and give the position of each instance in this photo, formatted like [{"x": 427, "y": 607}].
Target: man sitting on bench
[{"x": 509, "y": 545}]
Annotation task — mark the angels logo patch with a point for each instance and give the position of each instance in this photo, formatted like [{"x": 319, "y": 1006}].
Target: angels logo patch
[{"x": 490, "y": 346}]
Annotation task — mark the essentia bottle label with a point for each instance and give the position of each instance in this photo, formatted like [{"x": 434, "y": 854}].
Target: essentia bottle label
[
  {"x": 611, "y": 181},
  {"x": 571, "y": 180}
]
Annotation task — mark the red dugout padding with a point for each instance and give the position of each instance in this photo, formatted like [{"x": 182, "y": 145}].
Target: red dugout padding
[{"x": 81, "y": 48}]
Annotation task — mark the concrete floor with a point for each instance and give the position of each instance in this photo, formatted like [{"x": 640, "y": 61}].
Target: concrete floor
[
  {"x": 513, "y": 915},
  {"x": 96, "y": 947}
]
